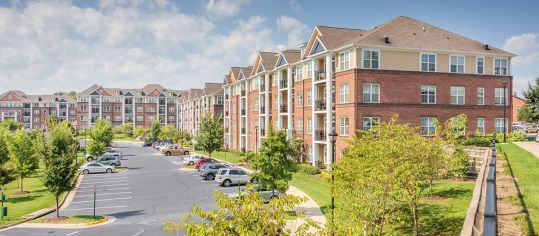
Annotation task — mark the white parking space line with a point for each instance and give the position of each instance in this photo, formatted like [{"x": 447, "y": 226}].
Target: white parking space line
[
  {"x": 91, "y": 208},
  {"x": 74, "y": 232},
  {"x": 103, "y": 194},
  {"x": 104, "y": 182},
  {"x": 102, "y": 200},
  {"x": 103, "y": 190},
  {"x": 105, "y": 175},
  {"x": 104, "y": 178},
  {"x": 107, "y": 185}
]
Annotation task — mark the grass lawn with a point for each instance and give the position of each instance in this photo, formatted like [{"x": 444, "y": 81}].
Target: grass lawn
[
  {"x": 78, "y": 219},
  {"x": 21, "y": 205},
  {"x": 123, "y": 137},
  {"x": 443, "y": 215},
  {"x": 525, "y": 168},
  {"x": 225, "y": 156}
]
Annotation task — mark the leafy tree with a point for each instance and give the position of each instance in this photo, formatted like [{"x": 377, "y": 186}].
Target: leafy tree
[
  {"x": 155, "y": 130},
  {"x": 22, "y": 154},
  {"x": 127, "y": 129},
  {"x": 210, "y": 134},
  {"x": 102, "y": 132},
  {"x": 297, "y": 149},
  {"x": 273, "y": 163},
  {"x": 530, "y": 112},
  {"x": 139, "y": 132},
  {"x": 184, "y": 137},
  {"x": 247, "y": 215},
  {"x": 6, "y": 172},
  {"x": 96, "y": 148},
  {"x": 51, "y": 122},
  {"x": 169, "y": 132},
  {"x": 11, "y": 125},
  {"x": 60, "y": 153}
]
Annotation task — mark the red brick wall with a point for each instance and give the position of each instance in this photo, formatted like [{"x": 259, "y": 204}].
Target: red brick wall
[{"x": 516, "y": 104}]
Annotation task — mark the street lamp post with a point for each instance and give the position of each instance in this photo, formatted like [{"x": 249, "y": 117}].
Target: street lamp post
[
  {"x": 504, "y": 115},
  {"x": 332, "y": 138},
  {"x": 256, "y": 138}
]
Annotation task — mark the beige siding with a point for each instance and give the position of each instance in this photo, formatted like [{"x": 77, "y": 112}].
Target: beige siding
[
  {"x": 469, "y": 66},
  {"x": 352, "y": 58},
  {"x": 442, "y": 62},
  {"x": 488, "y": 65},
  {"x": 359, "y": 63},
  {"x": 398, "y": 60}
]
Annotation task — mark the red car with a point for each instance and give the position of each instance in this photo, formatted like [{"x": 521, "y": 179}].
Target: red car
[{"x": 202, "y": 161}]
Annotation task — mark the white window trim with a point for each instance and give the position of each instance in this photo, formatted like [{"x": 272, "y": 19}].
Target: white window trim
[
  {"x": 347, "y": 64},
  {"x": 476, "y": 67},
  {"x": 363, "y": 59},
  {"x": 494, "y": 66},
  {"x": 435, "y": 61},
  {"x": 435, "y": 94},
  {"x": 347, "y": 94},
  {"x": 379, "y": 92},
  {"x": 341, "y": 126},
  {"x": 483, "y": 103},
  {"x": 483, "y": 121},
  {"x": 463, "y": 95},
  {"x": 463, "y": 63}
]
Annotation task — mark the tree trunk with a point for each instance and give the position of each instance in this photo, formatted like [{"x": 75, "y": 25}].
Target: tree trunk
[
  {"x": 430, "y": 185},
  {"x": 416, "y": 219},
  {"x": 57, "y": 208},
  {"x": 21, "y": 183}
]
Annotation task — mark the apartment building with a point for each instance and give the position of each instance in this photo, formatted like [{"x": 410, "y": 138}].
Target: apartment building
[
  {"x": 119, "y": 106},
  {"x": 31, "y": 110},
  {"x": 198, "y": 103},
  {"x": 350, "y": 79}
]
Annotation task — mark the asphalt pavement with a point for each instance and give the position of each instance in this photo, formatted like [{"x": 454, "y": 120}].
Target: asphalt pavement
[{"x": 149, "y": 191}]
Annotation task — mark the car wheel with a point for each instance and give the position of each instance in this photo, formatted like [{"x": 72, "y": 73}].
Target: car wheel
[
  {"x": 191, "y": 163},
  {"x": 86, "y": 172},
  {"x": 90, "y": 158},
  {"x": 113, "y": 164},
  {"x": 109, "y": 170},
  {"x": 186, "y": 153},
  {"x": 227, "y": 183},
  {"x": 167, "y": 154},
  {"x": 210, "y": 177}
]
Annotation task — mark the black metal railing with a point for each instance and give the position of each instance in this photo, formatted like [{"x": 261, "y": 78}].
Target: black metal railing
[
  {"x": 283, "y": 84},
  {"x": 242, "y": 130},
  {"x": 320, "y": 105},
  {"x": 490, "y": 222},
  {"x": 242, "y": 112},
  {"x": 284, "y": 108},
  {"x": 320, "y": 135},
  {"x": 262, "y": 132},
  {"x": 262, "y": 87},
  {"x": 319, "y": 75},
  {"x": 226, "y": 96},
  {"x": 242, "y": 93}
]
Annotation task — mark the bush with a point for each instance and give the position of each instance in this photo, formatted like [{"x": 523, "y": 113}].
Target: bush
[
  {"x": 458, "y": 163},
  {"x": 116, "y": 130},
  {"x": 480, "y": 141},
  {"x": 514, "y": 136},
  {"x": 139, "y": 132},
  {"x": 308, "y": 169}
]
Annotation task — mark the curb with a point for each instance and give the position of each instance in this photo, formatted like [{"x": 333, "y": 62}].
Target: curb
[{"x": 105, "y": 221}]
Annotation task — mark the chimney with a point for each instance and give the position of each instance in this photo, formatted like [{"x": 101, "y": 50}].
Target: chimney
[
  {"x": 386, "y": 39},
  {"x": 485, "y": 46}
]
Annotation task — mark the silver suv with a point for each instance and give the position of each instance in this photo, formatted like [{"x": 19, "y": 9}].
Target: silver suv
[{"x": 229, "y": 176}]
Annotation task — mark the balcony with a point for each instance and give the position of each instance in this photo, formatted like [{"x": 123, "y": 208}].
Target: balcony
[
  {"x": 319, "y": 75},
  {"x": 26, "y": 113},
  {"x": 243, "y": 93},
  {"x": 262, "y": 132},
  {"x": 320, "y": 135},
  {"x": 283, "y": 84},
  {"x": 262, "y": 109},
  {"x": 226, "y": 113},
  {"x": 242, "y": 130},
  {"x": 284, "y": 108},
  {"x": 320, "y": 105},
  {"x": 226, "y": 96},
  {"x": 242, "y": 112}
]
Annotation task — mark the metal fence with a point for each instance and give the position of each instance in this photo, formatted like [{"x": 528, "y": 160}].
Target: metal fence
[{"x": 490, "y": 214}]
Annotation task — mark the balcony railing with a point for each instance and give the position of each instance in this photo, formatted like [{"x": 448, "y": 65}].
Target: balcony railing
[
  {"x": 262, "y": 87},
  {"x": 320, "y": 135},
  {"x": 242, "y": 112},
  {"x": 242, "y": 93},
  {"x": 226, "y": 96},
  {"x": 262, "y": 132},
  {"x": 242, "y": 130},
  {"x": 262, "y": 109},
  {"x": 320, "y": 105},
  {"x": 284, "y": 108},
  {"x": 319, "y": 75},
  {"x": 226, "y": 113},
  {"x": 283, "y": 84}
]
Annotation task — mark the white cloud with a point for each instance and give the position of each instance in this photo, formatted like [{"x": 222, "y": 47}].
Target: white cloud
[
  {"x": 524, "y": 65},
  {"x": 295, "y": 5},
  {"x": 225, "y": 8},
  {"x": 296, "y": 30}
]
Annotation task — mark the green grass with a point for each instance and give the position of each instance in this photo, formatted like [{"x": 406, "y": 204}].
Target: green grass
[
  {"x": 225, "y": 156},
  {"x": 123, "y": 137},
  {"x": 525, "y": 168},
  {"x": 438, "y": 216},
  {"x": 78, "y": 219},
  {"x": 21, "y": 205}
]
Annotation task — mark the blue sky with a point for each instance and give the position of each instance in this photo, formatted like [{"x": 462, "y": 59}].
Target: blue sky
[{"x": 47, "y": 46}]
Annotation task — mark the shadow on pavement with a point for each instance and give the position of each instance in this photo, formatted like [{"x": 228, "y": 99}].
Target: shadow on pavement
[{"x": 126, "y": 214}]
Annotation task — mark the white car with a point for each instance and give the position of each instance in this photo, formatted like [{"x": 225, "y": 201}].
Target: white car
[
  {"x": 96, "y": 167},
  {"x": 191, "y": 160},
  {"x": 229, "y": 176}
]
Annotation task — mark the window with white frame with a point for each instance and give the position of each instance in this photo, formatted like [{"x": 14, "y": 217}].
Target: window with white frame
[
  {"x": 480, "y": 65},
  {"x": 481, "y": 125},
  {"x": 299, "y": 98},
  {"x": 500, "y": 66},
  {"x": 309, "y": 70},
  {"x": 117, "y": 118},
  {"x": 345, "y": 93},
  {"x": 299, "y": 72},
  {"x": 499, "y": 96},
  {"x": 428, "y": 94},
  {"x": 309, "y": 126},
  {"x": 371, "y": 59},
  {"x": 428, "y": 62},
  {"x": 457, "y": 95},
  {"x": 140, "y": 118},
  {"x": 371, "y": 93},
  {"x": 345, "y": 126},
  {"x": 106, "y": 109},
  {"x": 300, "y": 125},
  {"x": 499, "y": 125},
  {"x": 480, "y": 96},
  {"x": 428, "y": 127},
  {"x": 344, "y": 60},
  {"x": 309, "y": 98},
  {"x": 370, "y": 121},
  {"x": 457, "y": 64}
]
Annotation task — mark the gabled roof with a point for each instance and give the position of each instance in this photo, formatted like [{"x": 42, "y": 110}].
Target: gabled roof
[
  {"x": 18, "y": 93},
  {"x": 331, "y": 37},
  {"x": 289, "y": 56},
  {"x": 211, "y": 88},
  {"x": 268, "y": 59}
]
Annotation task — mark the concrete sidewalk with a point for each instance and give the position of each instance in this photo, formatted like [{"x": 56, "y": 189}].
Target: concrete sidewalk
[{"x": 531, "y": 147}]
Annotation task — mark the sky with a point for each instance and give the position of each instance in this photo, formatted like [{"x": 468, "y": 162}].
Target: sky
[{"x": 62, "y": 45}]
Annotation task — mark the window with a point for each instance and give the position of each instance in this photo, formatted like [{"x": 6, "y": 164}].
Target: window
[
  {"x": 299, "y": 72},
  {"x": 344, "y": 93},
  {"x": 140, "y": 109},
  {"x": 428, "y": 62},
  {"x": 480, "y": 65},
  {"x": 309, "y": 70},
  {"x": 371, "y": 93},
  {"x": 299, "y": 99},
  {"x": 427, "y": 126},
  {"x": 499, "y": 125},
  {"x": 309, "y": 126},
  {"x": 481, "y": 125},
  {"x": 220, "y": 100},
  {"x": 457, "y": 64},
  {"x": 82, "y": 118},
  {"x": 171, "y": 109},
  {"x": 369, "y": 122},
  {"x": 344, "y": 61},
  {"x": 309, "y": 98},
  {"x": 151, "y": 118},
  {"x": 499, "y": 96},
  {"x": 140, "y": 118},
  {"x": 117, "y": 109},
  {"x": 500, "y": 66},
  {"x": 151, "y": 100},
  {"x": 457, "y": 95},
  {"x": 300, "y": 124},
  {"x": 480, "y": 96},
  {"x": 345, "y": 125},
  {"x": 428, "y": 94},
  {"x": 371, "y": 59},
  {"x": 117, "y": 118},
  {"x": 106, "y": 109}
]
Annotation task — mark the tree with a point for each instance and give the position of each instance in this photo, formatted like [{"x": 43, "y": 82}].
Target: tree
[
  {"x": 6, "y": 172},
  {"x": 22, "y": 153},
  {"x": 139, "y": 132},
  {"x": 155, "y": 130},
  {"x": 60, "y": 153},
  {"x": 297, "y": 149},
  {"x": 11, "y": 125},
  {"x": 247, "y": 215},
  {"x": 169, "y": 132},
  {"x": 51, "y": 122},
  {"x": 273, "y": 163},
  {"x": 101, "y": 131},
  {"x": 184, "y": 137},
  {"x": 96, "y": 148},
  {"x": 210, "y": 134},
  {"x": 127, "y": 129},
  {"x": 530, "y": 111}
]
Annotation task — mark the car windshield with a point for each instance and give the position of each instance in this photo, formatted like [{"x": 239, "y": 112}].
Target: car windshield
[{"x": 222, "y": 172}]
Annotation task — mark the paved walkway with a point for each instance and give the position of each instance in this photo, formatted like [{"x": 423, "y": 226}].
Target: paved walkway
[{"x": 531, "y": 147}]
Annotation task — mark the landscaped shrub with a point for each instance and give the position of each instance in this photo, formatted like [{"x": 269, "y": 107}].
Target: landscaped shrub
[
  {"x": 308, "y": 169},
  {"x": 458, "y": 164},
  {"x": 116, "y": 130},
  {"x": 480, "y": 141},
  {"x": 514, "y": 136}
]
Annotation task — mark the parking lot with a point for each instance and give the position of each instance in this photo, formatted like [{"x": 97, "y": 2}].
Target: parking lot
[{"x": 148, "y": 190}]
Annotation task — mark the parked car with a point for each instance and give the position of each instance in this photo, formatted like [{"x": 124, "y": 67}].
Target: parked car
[
  {"x": 96, "y": 167},
  {"x": 157, "y": 144},
  {"x": 208, "y": 171},
  {"x": 266, "y": 193},
  {"x": 202, "y": 161},
  {"x": 175, "y": 150},
  {"x": 191, "y": 160},
  {"x": 518, "y": 128},
  {"x": 537, "y": 137},
  {"x": 110, "y": 160},
  {"x": 531, "y": 128},
  {"x": 148, "y": 143},
  {"x": 230, "y": 176},
  {"x": 164, "y": 146},
  {"x": 118, "y": 154}
]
